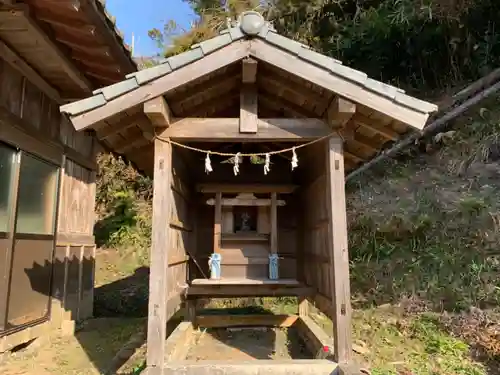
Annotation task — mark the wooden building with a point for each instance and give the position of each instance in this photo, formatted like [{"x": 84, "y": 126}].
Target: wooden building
[
  {"x": 274, "y": 232},
  {"x": 51, "y": 53}
]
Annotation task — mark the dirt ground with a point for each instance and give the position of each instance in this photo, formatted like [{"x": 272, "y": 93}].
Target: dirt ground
[
  {"x": 89, "y": 352},
  {"x": 119, "y": 287},
  {"x": 246, "y": 344}
]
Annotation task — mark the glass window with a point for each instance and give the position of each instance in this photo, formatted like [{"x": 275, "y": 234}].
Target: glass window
[
  {"x": 7, "y": 167},
  {"x": 37, "y": 196}
]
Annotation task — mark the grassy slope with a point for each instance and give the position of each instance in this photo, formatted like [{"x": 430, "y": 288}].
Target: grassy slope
[{"x": 423, "y": 244}]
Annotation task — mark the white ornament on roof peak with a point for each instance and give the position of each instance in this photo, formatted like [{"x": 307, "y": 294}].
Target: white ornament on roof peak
[{"x": 251, "y": 22}]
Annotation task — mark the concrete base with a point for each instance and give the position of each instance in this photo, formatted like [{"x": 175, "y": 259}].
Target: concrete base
[{"x": 257, "y": 367}]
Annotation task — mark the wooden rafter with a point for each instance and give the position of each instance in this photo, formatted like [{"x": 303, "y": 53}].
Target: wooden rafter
[
  {"x": 292, "y": 86},
  {"x": 363, "y": 142},
  {"x": 74, "y": 25},
  {"x": 322, "y": 78},
  {"x": 198, "y": 95},
  {"x": 92, "y": 49},
  {"x": 128, "y": 144},
  {"x": 46, "y": 35},
  {"x": 122, "y": 125},
  {"x": 228, "y": 130},
  {"x": 24, "y": 68},
  {"x": 373, "y": 125},
  {"x": 355, "y": 158},
  {"x": 158, "y": 112},
  {"x": 97, "y": 18},
  {"x": 215, "y": 105},
  {"x": 289, "y": 108}
]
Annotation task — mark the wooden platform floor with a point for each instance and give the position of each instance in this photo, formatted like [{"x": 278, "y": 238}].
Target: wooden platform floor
[
  {"x": 227, "y": 287},
  {"x": 234, "y": 281}
]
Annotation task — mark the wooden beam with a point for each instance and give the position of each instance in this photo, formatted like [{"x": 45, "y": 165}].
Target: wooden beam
[
  {"x": 245, "y": 188},
  {"x": 217, "y": 222},
  {"x": 372, "y": 124},
  {"x": 160, "y": 86},
  {"x": 72, "y": 25},
  {"x": 248, "y": 109},
  {"x": 356, "y": 159},
  {"x": 227, "y": 130},
  {"x": 339, "y": 258},
  {"x": 290, "y": 109},
  {"x": 69, "y": 68},
  {"x": 301, "y": 91},
  {"x": 161, "y": 238},
  {"x": 249, "y": 70},
  {"x": 324, "y": 78},
  {"x": 108, "y": 34},
  {"x": 220, "y": 321},
  {"x": 123, "y": 124},
  {"x": 85, "y": 47},
  {"x": 245, "y": 202},
  {"x": 209, "y": 87},
  {"x": 339, "y": 112},
  {"x": 127, "y": 144},
  {"x": 215, "y": 105},
  {"x": 274, "y": 223},
  {"x": 213, "y": 291},
  {"x": 31, "y": 74},
  {"x": 158, "y": 112},
  {"x": 313, "y": 336}
]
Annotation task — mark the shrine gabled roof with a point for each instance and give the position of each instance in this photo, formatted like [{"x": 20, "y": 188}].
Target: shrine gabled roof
[{"x": 252, "y": 26}]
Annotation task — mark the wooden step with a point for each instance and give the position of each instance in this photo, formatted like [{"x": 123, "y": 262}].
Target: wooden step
[{"x": 257, "y": 367}]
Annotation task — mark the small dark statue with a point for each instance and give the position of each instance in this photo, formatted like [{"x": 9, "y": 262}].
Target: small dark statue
[{"x": 245, "y": 222}]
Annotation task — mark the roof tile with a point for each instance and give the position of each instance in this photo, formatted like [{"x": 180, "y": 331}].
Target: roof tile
[
  {"x": 316, "y": 58},
  {"x": 382, "y": 88},
  {"x": 348, "y": 73},
  {"x": 185, "y": 58},
  {"x": 120, "y": 88},
  {"x": 236, "y": 33},
  {"x": 419, "y": 105},
  {"x": 214, "y": 44},
  {"x": 282, "y": 42},
  {"x": 83, "y": 105},
  {"x": 225, "y": 38},
  {"x": 147, "y": 75}
]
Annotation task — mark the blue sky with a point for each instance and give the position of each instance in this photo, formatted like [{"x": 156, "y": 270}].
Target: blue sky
[{"x": 138, "y": 17}]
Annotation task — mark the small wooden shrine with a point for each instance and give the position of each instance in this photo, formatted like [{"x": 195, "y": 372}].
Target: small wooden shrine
[{"x": 248, "y": 136}]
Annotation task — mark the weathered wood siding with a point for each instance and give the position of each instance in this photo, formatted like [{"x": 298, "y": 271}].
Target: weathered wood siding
[
  {"x": 315, "y": 237},
  {"x": 76, "y": 209},
  {"x": 31, "y": 121}
]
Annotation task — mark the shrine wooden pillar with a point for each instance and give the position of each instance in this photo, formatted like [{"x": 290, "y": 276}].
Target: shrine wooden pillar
[
  {"x": 157, "y": 309},
  {"x": 339, "y": 255}
]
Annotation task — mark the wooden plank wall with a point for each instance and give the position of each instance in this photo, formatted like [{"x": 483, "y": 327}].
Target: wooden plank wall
[
  {"x": 315, "y": 236},
  {"x": 32, "y": 121},
  {"x": 182, "y": 234}
]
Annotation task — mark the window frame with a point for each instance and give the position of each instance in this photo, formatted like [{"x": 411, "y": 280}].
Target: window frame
[{"x": 55, "y": 203}]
